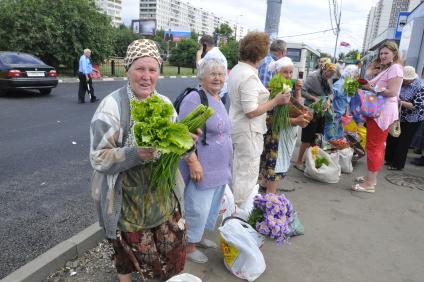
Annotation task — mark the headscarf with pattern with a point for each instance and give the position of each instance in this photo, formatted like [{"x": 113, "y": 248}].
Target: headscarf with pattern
[{"x": 141, "y": 48}]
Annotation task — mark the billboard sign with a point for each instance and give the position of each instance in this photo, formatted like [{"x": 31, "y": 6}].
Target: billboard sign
[
  {"x": 176, "y": 34},
  {"x": 403, "y": 16},
  {"x": 144, "y": 27}
]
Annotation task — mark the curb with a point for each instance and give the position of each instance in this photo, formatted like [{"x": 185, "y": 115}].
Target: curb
[
  {"x": 48, "y": 262},
  {"x": 74, "y": 79}
]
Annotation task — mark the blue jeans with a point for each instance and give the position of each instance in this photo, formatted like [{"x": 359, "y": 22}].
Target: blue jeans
[{"x": 201, "y": 209}]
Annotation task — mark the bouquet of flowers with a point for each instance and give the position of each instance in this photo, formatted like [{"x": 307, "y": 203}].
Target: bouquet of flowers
[{"x": 271, "y": 216}]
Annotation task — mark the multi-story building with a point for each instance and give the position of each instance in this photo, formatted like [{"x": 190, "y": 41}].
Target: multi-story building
[
  {"x": 112, "y": 8},
  {"x": 176, "y": 14},
  {"x": 382, "y": 21},
  {"x": 369, "y": 29}
]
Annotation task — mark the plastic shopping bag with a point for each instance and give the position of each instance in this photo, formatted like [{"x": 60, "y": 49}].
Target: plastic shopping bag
[
  {"x": 228, "y": 206},
  {"x": 240, "y": 245},
  {"x": 345, "y": 160},
  {"x": 184, "y": 277},
  {"x": 295, "y": 227},
  {"x": 326, "y": 173}
]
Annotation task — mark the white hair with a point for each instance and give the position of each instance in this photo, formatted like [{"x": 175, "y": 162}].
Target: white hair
[
  {"x": 279, "y": 64},
  {"x": 207, "y": 65}
]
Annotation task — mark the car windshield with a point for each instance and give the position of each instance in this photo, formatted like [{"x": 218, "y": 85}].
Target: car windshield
[{"x": 19, "y": 59}]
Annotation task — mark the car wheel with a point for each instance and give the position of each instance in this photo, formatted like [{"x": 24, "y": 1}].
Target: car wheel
[{"x": 45, "y": 91}]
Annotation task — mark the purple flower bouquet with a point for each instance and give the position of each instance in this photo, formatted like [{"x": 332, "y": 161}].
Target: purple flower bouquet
[{"x": 271, "y": 216}]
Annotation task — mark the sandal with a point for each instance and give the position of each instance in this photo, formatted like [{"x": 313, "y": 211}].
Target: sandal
[
  {"x": 300, "y": 167},
  {"x": 358, "y": 188},
  {"x": 205, "y": 243},
  {"x": 197, "y": 256},
  {"x": 360, "y": 179}
]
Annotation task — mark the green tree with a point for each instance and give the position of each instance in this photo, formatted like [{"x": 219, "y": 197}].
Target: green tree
[
  {"x": 341, "y": 56},
  {"x": 230, "y": 51},
  {"x": 122, "y": 37},
  {"x": 184, "y": 53},
  {"x": 194, "y": 35},
  {"x": 352, "y": 55},
  {"x": 225, "y": 33},
  {"x": 56, "y": 31}
]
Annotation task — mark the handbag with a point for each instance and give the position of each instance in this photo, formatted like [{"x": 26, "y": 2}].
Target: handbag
[
  {"x": 371, "y": 104},
  {"x": 394, "y": 128}
]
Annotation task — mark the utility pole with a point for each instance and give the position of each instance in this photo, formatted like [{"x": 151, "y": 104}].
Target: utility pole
[
  {"x": 337, "y": 17},
  {"x": 272, "y": 22}
]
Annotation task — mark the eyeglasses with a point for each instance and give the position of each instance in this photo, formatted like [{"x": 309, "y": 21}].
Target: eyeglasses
[{"x": 216, "y": 74}]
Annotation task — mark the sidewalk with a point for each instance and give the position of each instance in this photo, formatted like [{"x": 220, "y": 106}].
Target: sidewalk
[
  {"x": 69, "y": 79},
  {"x": 349, "y": 236}
]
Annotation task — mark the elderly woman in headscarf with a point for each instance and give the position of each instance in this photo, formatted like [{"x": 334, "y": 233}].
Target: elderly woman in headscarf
[
  {"x": 147, "y": 232},
  {"x": 334, "y": 130},
  {"x": 317, "y": 84},
  {"x": 279, "y": 146}
]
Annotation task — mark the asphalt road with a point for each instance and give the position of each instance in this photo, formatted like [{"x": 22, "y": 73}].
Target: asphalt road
[{"x": 44, "y": 168}]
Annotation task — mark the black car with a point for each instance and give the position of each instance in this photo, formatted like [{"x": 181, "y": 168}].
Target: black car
[{"x": 24, "y": 71}]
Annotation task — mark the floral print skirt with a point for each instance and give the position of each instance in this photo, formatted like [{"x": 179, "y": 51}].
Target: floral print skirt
[
  {"x": 270, "y": 154},
  {"x": 158, "y": 252}
]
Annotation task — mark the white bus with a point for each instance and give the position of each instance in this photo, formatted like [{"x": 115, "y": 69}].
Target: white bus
[{"x": 304, "y": 58}]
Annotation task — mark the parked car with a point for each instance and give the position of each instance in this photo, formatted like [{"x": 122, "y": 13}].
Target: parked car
[{"x": 24, "y": 71}]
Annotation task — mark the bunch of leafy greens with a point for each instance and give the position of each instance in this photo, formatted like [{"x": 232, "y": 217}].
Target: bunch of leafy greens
[
  {"x": 153, "y": 128},
  {"x": 318, "y": 107},
  {"x": 350, "y": 86},
  {"x": 280, "y": 117},
  {"x": 164, "y": 172},
  {"x": 321, "y": 160}
]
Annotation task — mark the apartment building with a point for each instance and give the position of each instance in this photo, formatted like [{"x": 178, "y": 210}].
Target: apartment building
[
  {"x": 112, "y": 8},
  {"x": 369, "y": 29},
  {"x": 383, "y": 19},
  {"x": 175, "y": 14}
]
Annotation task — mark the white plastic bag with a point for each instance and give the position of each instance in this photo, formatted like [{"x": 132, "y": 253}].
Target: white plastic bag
[
  {"x": 326, "y": 174},
  {"x": 184, "y": 277},
  {"x": 345, "y": 160},
  {"x": 228, "y": 206},
  {"x": 240, "y": 245}
]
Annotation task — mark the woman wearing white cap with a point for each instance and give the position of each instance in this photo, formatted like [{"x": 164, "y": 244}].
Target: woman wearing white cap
[
  {"x": 412, "y": 115},
  {"x": 279, "y": 146}
]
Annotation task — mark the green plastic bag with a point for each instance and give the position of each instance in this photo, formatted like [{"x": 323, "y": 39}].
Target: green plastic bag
[{"x": 296, "y": 227}]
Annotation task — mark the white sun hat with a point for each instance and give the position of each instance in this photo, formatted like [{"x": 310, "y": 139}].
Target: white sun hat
[{"x": 409, "y": 73}]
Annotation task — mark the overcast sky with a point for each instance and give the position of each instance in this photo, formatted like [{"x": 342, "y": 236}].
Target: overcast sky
[{"x": 297, "y": 17}]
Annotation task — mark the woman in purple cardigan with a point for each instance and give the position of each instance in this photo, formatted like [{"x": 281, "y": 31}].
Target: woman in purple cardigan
[{"x": 207, "y": 172}]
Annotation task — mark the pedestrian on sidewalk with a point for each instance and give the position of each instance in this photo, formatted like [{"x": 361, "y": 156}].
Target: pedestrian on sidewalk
[
  {"x": 249, "y": 104},
  {"x": 84, "y": 74},
  {"x": 412, "y": 115},
  {"x": 147, "y": 231},
  {"x": 209, "y": 51},
  {"x": 277, "y": 50},
  {"x": 207, "y": 172},
  {"x": 279, "y": 146},
  {"x": 317, "y": 84},
  {"x": 387, "y": 83}
]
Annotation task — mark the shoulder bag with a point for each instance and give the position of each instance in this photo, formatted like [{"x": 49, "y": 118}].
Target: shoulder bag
[{"x": 394, "y": 128}]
